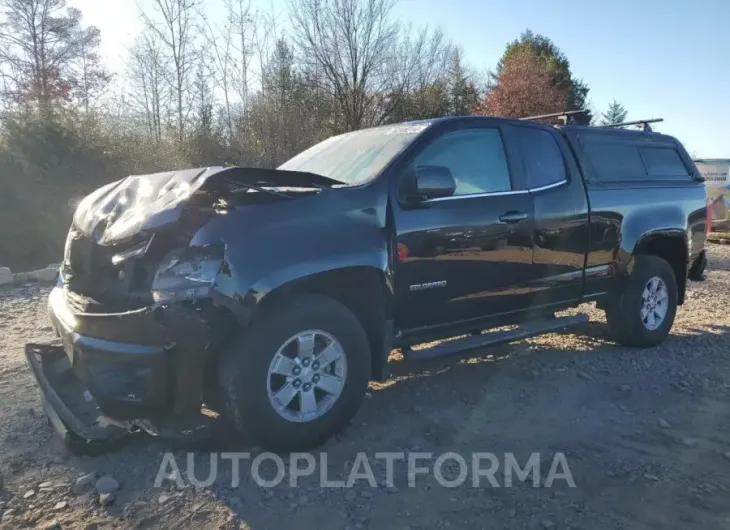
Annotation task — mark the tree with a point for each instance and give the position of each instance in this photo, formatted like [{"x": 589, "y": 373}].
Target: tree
[
  {"x": 146, "y": 81},
  {"x": 463, "y": 92},
  {"x": 204, "y": 98},
  {"x": 556, "y": 64},
  {"x": 616, "y": 113},
  {"x": 218, "y": 42},
  {"x": 45, "y": 53},
  {"x": 351, "y": 41},
  {"x": 280, "y": 84},
  {"x": 242, "y": 21},
  {"x": 524, "y": 87},
  {"x": 93, "y": 78},
  {"x": 366, "y": 60},
  {"x": 175, "y": 30},
  {"x": 431, "y": 100}
]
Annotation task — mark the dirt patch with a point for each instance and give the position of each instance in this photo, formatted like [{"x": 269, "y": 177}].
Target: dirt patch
[{"x": 645, "y": 433}]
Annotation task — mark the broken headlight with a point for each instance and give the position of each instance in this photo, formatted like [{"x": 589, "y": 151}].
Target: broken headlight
[{"x": 184, "y": 276}]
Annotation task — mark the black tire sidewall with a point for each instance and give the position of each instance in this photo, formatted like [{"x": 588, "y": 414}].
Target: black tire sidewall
[
  {"x": 627, "y": 315},
  {"x": 245, "y": 374}
]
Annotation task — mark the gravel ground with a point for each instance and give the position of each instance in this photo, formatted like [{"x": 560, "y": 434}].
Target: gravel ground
[{"x": 645, "y": 436}]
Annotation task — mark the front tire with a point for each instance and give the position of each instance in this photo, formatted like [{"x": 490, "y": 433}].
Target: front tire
[
  {"x": 643, "y": 314},
  {"x": 297, "y": 374}
]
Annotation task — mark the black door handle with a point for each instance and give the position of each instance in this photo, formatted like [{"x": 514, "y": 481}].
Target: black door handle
[{"x": 512, "y": 217}]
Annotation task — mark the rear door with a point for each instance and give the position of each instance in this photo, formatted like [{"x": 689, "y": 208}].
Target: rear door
[
  {"x": 560, "y": 229},
  {"x": 468, "y": 256}
]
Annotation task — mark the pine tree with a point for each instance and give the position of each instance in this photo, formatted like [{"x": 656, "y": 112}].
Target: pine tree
[
  {"x": 463, "y": 92},
  {"x": 616, "y": 113}
]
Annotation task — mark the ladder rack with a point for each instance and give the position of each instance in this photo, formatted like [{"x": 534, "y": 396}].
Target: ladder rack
[
  {"x": 644, "y": 124},
  {"x": 561, "y": 116}
]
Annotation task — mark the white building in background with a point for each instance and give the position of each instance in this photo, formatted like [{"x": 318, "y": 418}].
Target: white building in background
[{"x": 717, "y": 181}]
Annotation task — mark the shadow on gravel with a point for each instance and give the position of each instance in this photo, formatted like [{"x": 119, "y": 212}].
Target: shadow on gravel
[
  {"x": 588, "y": 336},
  {"x": 597, "y": 331}
]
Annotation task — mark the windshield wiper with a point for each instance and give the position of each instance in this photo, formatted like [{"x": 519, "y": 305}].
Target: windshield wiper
[
  {"x": 280, "y": 178},
  {"x": 238, "y": 187},
  {"x": 305, "y": 179}
]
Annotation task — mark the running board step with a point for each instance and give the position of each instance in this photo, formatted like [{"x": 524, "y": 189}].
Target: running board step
[{"x": 491, "y": 338}]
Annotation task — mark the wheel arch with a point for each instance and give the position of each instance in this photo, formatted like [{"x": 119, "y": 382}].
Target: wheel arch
[
  {"x": 364, "y": 290},
  {"x": 671, "y": 246}
]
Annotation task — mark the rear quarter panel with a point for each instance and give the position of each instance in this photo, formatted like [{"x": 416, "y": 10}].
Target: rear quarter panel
[
  {"x": 626, "y": 214},
  {"x": 624, "y": 217}
]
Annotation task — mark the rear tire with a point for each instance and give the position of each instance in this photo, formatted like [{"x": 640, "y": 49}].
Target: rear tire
[
  {"x": 249, "y": 388},
  {"x": 643, "y": 314}
]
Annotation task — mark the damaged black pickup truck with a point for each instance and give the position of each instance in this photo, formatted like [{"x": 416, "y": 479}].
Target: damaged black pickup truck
[{"x": 273, "y": 296}]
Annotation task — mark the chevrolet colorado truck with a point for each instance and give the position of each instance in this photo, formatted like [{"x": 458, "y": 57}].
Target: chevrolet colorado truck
[{"x": 273, "y": 296}]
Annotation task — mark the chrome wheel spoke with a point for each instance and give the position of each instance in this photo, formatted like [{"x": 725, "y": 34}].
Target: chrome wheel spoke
[
  {"x": 307, "y": 404},
  {"x": 330, "y": 354},
  {"x": 305, "y": 345},
  {"x": 285, "y": 395},
  {"x": 330, "y": 384},
  {"x": 282, "y": 365}
]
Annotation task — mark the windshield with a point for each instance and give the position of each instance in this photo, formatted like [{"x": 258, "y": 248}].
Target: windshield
[{"x": 356, "y": 157}]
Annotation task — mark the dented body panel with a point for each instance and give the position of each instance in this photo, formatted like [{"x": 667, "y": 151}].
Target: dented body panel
[
  {"x": 123, "y": 210},
  {"x": 268, "y": 247}
]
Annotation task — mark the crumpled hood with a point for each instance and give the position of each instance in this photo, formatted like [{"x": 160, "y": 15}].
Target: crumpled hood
[{"x": 118, "y": 211}]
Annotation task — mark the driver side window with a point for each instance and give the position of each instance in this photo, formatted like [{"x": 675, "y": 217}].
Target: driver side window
[{"x": 475, "y": 157}]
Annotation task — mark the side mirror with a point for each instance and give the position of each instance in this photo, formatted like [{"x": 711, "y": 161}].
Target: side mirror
[{"x": 434, "y": 182}]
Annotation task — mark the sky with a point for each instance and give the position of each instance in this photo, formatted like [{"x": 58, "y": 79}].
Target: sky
[{"x": 660, "y": 58}]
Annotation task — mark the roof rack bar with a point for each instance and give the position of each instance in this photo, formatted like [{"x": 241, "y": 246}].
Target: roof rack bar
[
  {"x": 562, "y": 116},
  {"x": 644, "y": 124}
]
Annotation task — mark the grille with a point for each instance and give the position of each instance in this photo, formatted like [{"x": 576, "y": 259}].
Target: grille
[
  {"x": 78, "y": 303},
  {"x": 112, "y": 302},
  {"x": 86, "y": 257},
  {"x": 96, "y": 285}
]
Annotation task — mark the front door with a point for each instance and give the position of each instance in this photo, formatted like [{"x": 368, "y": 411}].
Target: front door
[{"x": 467, "y": 256}]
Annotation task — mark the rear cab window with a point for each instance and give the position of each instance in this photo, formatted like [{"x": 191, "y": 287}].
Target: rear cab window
[
  {"x": 664, "y": 162},
  {"x": 542, "y": 160},
  {"x": 615, "y": 159}
]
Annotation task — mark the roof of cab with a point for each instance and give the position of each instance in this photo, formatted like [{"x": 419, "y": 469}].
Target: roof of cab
[
  {"x": 446, "y": 119},
  {"x": 575, "y": 129}
]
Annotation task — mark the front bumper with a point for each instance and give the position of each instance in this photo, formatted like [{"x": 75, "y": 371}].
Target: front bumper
[
  {"x": 145, "y": 365},
  {"x": 69, "y": 407},
  {"x": 122, "y": 358}
]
